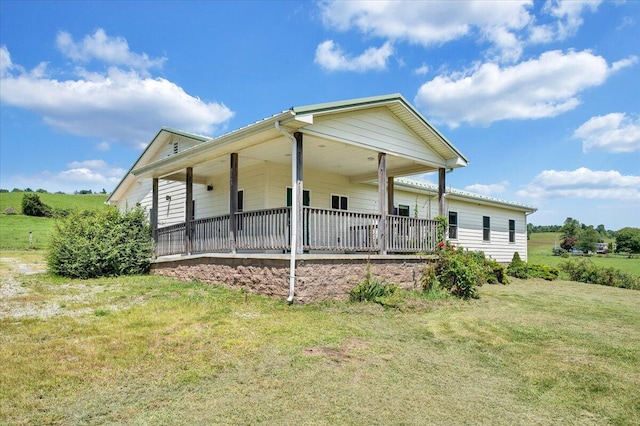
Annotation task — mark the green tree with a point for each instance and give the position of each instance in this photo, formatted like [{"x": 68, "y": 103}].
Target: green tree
[
  {"x": 570, "y": 228},
  {"x": 628, "y": 240},
  {"x": 601, "y": 230},
  {"x": 587, "y": 239}
]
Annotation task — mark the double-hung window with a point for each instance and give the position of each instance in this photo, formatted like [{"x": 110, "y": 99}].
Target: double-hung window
[
  {"x": 486, "y": 228},
  {"x": 512, "y": 231},
  {"x": 453, "y": 225}
]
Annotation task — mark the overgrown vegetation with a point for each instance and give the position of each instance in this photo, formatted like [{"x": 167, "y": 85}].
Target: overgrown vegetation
[
  {"x": 375, "y": 289},
  {"x": 101, "y": 243},
  {"x": 520, "y": 269},
  {"x": 461, "y": 272},
  {"x": 586, "y": 271}
]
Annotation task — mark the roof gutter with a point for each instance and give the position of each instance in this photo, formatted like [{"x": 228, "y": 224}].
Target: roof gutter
[{"x": 294, "y": 216}]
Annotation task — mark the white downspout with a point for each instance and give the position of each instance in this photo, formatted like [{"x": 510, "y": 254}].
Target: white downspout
[{"x": 294, "y": 216}]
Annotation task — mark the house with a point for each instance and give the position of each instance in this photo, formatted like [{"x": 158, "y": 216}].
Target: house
[{"x": 300, "y": 203}]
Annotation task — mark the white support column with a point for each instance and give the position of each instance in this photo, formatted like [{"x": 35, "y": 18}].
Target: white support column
[
  {"x": 233, "y": 200},
  {"x": 382, "y": 202},
  {"x": 188, "y": 209}
]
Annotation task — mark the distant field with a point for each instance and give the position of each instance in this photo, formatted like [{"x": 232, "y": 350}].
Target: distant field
[
  {"x": 60, "y": 201},
  {"x": 14, "y": 229},
  {"x": 540, "y": 251}
]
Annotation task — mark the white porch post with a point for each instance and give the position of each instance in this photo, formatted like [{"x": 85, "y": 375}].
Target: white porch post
[
  {"x": 297, "y": 200},
  {"x": 188, "y": 209},
  {"x": 233, "y": 200},
  {"x": 382, "y": 202},
  {"x": 154, "y": 210}
]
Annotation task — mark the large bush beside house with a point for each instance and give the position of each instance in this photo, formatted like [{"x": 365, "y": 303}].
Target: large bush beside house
[{"x": 108, "y": 242}]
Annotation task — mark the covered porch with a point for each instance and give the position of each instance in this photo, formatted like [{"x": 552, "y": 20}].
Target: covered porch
[{"x": 350, "y": 153}]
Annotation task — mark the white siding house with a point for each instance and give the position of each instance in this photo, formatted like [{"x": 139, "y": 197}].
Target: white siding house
[{"x": 327, "y": 178}]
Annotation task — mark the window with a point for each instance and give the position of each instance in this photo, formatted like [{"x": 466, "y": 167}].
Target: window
[
  {"x": 512, "y": 231},
  {"x": 239, "y": 222},
  {"x": 306, "y": 197},
  {"x": 453, "y": 225},
  {"x": 240, "y": 200},
  {"x": 339, "y": 202},
  {"x": 486, "y": 228},
  {"x": 403, "y": 210}
]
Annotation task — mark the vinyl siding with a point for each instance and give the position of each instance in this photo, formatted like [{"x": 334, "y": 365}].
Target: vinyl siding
[
  {"x": 470, "y": 230},
  {"x": 376, "y": 128}
]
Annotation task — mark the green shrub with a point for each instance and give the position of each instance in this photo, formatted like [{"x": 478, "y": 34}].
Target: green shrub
[
  {"x": 518, "y": 268},
  {"x": 459, "y": 272},
  {"x": 107, "y": 242},
  {"x": 33, "y": 206},
  {"x": 373, "y": 289},
  {"x": 586, "y": 271},
  {"x": 545, "y": 272}
]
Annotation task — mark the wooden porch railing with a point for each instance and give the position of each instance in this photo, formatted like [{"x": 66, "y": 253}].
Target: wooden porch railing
[
  {"x": 210, "y": 235},
  {"x": 339, "y": 230},
  {"x": 171, "y": 240},
  {"x": 263, "y": 229},
  {"x": 323, "y": 230},
  {"x": 411, "y": 235}
]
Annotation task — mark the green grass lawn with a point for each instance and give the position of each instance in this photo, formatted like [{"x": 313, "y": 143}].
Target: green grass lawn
[
  {"x": 151, "y": 350},
  {"x": 541, "y": 244},
  {"x": 59, "y": 201},
  {"x": 14, "y": 229}
]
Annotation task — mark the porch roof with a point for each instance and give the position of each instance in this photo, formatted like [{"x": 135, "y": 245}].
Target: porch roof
[{"x": 261, "y": 141}]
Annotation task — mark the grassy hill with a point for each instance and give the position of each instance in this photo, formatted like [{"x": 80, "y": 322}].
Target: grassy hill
[
  {"x": 14, "y": 229},
  {"x": 540, "y": 251},
  {"x": 59, "y": 201}
]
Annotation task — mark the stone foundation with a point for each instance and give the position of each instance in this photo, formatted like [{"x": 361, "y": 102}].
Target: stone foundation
[{"x": 318, "y": 277}]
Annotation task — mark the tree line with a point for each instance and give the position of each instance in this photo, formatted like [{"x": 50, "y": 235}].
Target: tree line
[
  {"x": 576, "y": 235},
  {"x": 44, "y": 191}
]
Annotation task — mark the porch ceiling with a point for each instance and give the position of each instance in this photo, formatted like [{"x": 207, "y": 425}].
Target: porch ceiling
[{"x": 357, "y": 163}]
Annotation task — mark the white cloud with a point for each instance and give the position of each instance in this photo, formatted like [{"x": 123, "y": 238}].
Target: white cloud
[
  {"x": 112, "y": 50},
  {"x": 332, "y": 58},
  {"x": 433, "y": 23},
  {"x": 614, "y": 132},
  {"x": 507, "y": 26},
  {"x": 569, "y": 15},
  {"x": 494, "y": 188},
  {"x": 117, "y": 105},
  {"x": 583, "y": 183},
  {"x": 537, "y": 88},
  {"x": 89, "y": 174},
  {"x": 422, "y": 70}
]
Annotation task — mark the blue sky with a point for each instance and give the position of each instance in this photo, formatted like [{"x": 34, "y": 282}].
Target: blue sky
[{"x": 542, "y": 97}]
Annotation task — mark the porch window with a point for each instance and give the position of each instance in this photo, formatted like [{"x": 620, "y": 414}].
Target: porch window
[
  {"x": 306, "y": 197},
  {"x": 339, "y": 202},
  {"x": 403, "y": 210},
  {"x": 240, "y": 200},
  {"x": 486, "y": 228},
  {"x": 512, "y": 231},
  {"x": 239, "y": 219},
  {"x": 453, "y": 225}
]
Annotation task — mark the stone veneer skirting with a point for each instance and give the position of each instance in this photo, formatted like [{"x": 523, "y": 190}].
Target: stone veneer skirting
[{"x": 319, "y": 277}]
